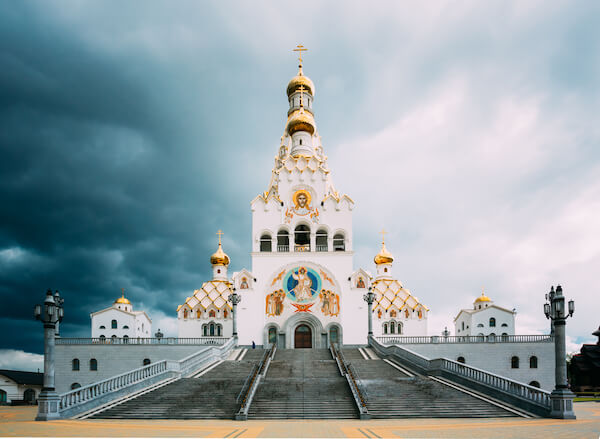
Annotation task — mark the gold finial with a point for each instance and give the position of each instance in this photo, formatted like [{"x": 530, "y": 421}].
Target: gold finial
[
  {"x": 220, "y": 234},
  {"x": 383, "y": 232},
  {"x": 300, "y": 48}
]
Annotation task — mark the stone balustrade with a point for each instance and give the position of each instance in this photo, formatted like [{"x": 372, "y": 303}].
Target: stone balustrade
[
  {"x": 214, "y": 341},
  {"x": 387, "y": 340}
]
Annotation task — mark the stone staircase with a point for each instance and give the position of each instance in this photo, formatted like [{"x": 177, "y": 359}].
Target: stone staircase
[
  {"x": 210, "y": 396},
  {"x": 394, "y": 394},
  {"x": 303, "y": 384}
]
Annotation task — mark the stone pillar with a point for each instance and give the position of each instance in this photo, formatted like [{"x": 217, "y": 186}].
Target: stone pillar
[
  {"x": 48, "y": 398},
  {"x": 370, "y": 298},
  {"x": 234, "y": 298},
  {"x": 313, "y": 241}
]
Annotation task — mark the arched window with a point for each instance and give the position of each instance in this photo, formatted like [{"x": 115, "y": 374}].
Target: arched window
[
  {"x": 219, "y": 330},
  {"x": 504, "y": 325},
  {"x": 399, "y": 328},
  {"x": 113, "y": 338},
  {"x": 102, "y": 327},
  {"x": 212, "y": 313},
  {"x": 283, "y": 241},
  {"x": 321, "y": 241},
  {"x": 533, "y": 362},
  {"x": 463, "y": 326},
  {"x": 392, "y": 328},
  {"x": 2, "y": 396},
  {"x": 75, "y": 364},
  {"x": 333, "y": 334},
  {"x": 125, "y": 339},
  {"x": 302, "y": 238},
  {"x": 535, "y": 384},
  {"x": 113, "y": 324},
  {"x": 480, "y": 325},
  {"x": 385, "y": 328},
  {"x": 29, "y": 396},
  {"x": 272, "y": 335},
  {"x": 461, "y": 360},
  {"x": 212, "y": 329},
  {"x": 146, "y": 361},
  {"x": 265, "y": 243},
  {"x": 514, "y": 362},
  {"x": 75, "y": 386},
  {"x": 339, "y": 244},
  {"x": 204, "y": 330},
  {"x": 492, "y": 322},
  {"x": 102, "y": 339},
  {"x": 93, "y": 364},
  {"x": 125, "y": 327}
]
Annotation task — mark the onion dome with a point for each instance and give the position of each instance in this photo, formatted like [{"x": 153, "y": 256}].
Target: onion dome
[
  {"x": 483, "y": 298},
  {"x": 301, "y": 120},
  {"x": 384, "y": 256},
  {"x": 123, "y": 300},
  {"x": 300, "y": 80},
  {"x": 219, "y": 257}
]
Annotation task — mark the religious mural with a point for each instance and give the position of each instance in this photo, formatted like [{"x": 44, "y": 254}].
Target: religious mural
[
  {"x": 244, "y": 284},
  {"x": 360, "y": 283},
  {"x": 302, "y": 206},
  {"x": 303, "y": 286}
]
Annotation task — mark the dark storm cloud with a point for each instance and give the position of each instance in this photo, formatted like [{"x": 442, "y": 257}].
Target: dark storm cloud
[{"x": 104, "y": 182}]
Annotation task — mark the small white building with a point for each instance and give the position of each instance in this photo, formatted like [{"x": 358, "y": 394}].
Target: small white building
[
  {"x": 485, "y": 319},
  {"x": 18, "y": 386},
  {"x": 121, "y": 321}
]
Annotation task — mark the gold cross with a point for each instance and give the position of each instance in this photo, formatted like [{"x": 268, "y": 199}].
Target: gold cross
[
  {"x": 300, "y": 48},
  {"x": 220, "y": 233},
  {"x": 383, "y": 232},
  {"x": 301, "y": 88},
  {"x": 122, "y": 292}
]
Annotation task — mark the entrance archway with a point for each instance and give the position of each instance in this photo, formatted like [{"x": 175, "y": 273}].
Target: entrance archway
[{"x": 303, "y": 337}]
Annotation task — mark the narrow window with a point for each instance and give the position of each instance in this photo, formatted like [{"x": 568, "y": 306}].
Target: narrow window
[
  {"x": 385, "y": 328},
  {"x": 283, "y": 241},
  {"x": 461, "y": 360},
  {"x": 272, "y": 335},
  {"x": 265, "y": 243},
  {"x": 399, "y": 328},
  {"x": 392, "y": 328},
  {"x": 333, "y": 334},
  {"x": 300, "y": 141},
  {"x": 339, "y": 244},
  {"x": 218, "y": 330},
  {"x": 514, "y": 362},
  {"x": 463, "y": 326},
  {"x": 204, "y": 330},
  {"x": 302, "y": 238},
  {"x": 492, "y": 322},
  {"x": 113, "y": 324},
  {"x": 93, "y": 364},
  {"x": 75, "y": 386},
  {"x": 212, "y": 330},
  {"x": 533, "y": 363},
  {"x": 146, "y": 361},
  {"x": 75, "y": 364}
]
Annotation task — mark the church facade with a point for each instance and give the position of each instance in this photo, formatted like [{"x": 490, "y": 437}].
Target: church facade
[{"x": 302, "y": 289}]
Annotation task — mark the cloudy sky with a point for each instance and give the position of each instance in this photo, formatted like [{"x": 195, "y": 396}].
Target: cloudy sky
[{"x": 131, "y": 131}]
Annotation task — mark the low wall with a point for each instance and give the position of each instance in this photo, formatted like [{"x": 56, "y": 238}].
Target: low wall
[{"x": 112, "y": 360}]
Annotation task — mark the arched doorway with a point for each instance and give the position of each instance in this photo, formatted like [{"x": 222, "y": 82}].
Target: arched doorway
[
  {"x": 303, "y": 337},
  {"x": 29, "y": 396}
]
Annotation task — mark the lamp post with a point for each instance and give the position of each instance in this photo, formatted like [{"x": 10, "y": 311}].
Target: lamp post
[
  {"x": 561, "y": 397},
  {"x": 234, "y": 298},
  {"x": 370, "y": 298},
  {"x": 50, "y": 314}
]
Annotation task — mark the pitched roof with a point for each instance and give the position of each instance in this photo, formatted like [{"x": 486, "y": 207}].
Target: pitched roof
[{"x": 21, "y": 377}]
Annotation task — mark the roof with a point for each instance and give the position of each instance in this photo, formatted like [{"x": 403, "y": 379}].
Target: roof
[
  {"x": 390, "y": 292},
  {"x": 130, "y": 313},
  {"x": 21, "y": 377},
  {"x": 473, "y": 311}
]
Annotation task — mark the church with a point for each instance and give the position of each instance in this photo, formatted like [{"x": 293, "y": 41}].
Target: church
[{"x": 302, "y": 290}]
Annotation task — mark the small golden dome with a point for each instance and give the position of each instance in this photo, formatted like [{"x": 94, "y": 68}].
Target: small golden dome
[
  {"x": 219, "y": 257},
  {"x": 123, "y": 300},
  {"x": 299, "y": 80},
  {"x": 483, "y": 298},
  {"x": 301, "y": 120},
  {"x": 384, "y": 256}
]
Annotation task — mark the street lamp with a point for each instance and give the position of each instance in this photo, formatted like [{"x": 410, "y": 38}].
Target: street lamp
[
  {"x": 561, "y": 397},
  {"x": 370, "y": 298},
  {"x": 234, "y": 298},
  {"x": 50, "y": 314}
]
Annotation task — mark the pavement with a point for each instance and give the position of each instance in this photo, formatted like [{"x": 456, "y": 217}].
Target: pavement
[{"x": 19, "y": 421}]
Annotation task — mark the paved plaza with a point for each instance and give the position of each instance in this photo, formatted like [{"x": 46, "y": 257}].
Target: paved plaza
[{"x": 19, "y": 421}]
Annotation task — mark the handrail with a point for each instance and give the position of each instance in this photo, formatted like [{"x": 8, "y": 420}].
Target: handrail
[
  {"x": 102, "y": 389},
  {"x": 514, "y": 392},
  {"x": 436, "y": 339},
  {"x": 247, "y": 383},
  {"x": 215, "y": 341},
  {"x": 352, "y": 377},
  {"x": 260, "y": 372}
]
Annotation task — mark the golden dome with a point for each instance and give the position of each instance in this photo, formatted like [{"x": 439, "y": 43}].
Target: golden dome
[
  {"x": 299, "y": 80},
  {"x": 219, "y": 257},
  {"x": 483, "y": 298},
  {"x": 301, "y": 120},
  {"x": 123, "y": 300},
  {"x": 384, "y": 256}
]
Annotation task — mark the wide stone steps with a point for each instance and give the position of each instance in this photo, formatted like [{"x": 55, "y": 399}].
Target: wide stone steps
[
  {"x": 210, "y": 396},
  {"x": 390, "y": 393}
]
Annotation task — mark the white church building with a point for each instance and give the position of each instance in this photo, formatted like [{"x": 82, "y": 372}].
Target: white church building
[
  {"x": 484, "y": 319},
  {"x": 302, "y": 289},
  {"x": 120, "y": 321}
]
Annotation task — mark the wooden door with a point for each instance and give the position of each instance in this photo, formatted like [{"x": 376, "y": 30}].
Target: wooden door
[{"x": 303, "y": 337}]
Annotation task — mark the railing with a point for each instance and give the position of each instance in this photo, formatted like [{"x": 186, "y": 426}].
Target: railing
[
  {"x": 521, "y": 395},
  {"x": 249, "y": 380},
  {"x": 353, "y": 381},
  {"x": 283, "y": 248},
  {"x": 93, "y": 395},
  {"x": 211, "y": 341},
  {"x": 256, "y": 376},
  {"x": 302, "y": 247},
  {"x": 466, "y": 339},
  {"x": 322, "y": 248}
]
